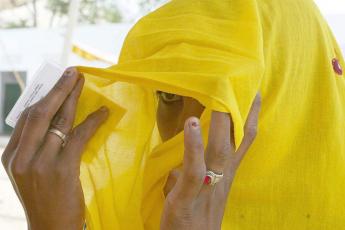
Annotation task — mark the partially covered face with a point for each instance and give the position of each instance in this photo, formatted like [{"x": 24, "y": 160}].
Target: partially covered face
[{"x": 172, "y": 112}]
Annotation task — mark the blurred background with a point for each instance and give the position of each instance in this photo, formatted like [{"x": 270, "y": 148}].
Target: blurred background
[{"x": 73, "y": 32}]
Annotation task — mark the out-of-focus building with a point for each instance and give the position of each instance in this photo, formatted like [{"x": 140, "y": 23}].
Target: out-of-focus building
[{"x": 22, "y": 51}]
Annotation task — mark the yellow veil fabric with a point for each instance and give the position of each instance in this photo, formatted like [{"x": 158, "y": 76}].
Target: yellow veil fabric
[{"x": 222, "y": 53}]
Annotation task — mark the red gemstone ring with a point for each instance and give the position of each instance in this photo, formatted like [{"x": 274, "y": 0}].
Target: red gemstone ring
[{"x": 212, "y": 178}]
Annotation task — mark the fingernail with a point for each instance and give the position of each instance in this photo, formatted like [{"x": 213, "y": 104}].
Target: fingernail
[
  {"x": 69, "y": 72},
  {"x": 194, "y": 123},
  {"x": 104, "y": 109}
]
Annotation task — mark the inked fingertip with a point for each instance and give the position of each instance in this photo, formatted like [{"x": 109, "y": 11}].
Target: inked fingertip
[{"x": 193, "y": 123}]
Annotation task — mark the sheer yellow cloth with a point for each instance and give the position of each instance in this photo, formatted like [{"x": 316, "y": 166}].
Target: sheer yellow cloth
[{"x": 222, "y": 53}]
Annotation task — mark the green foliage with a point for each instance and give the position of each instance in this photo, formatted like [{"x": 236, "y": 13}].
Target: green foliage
[
  {"x": 112, "y": 15},
  {"x": 91, "y": 11},
  {"x": 18, "y": 24},
  {"x": 59, "y": 7}
]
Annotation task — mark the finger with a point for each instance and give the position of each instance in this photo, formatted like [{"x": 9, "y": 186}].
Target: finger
[
  {"x": 57, "y": 96},
  {"x": 219, "y": 145},
  {"x": 81, "y": 135},
  {"x": 13, "y": 142},
  {"x": 189, "y": 183},
  {"x": 250, "y": 131},
  {"x": 63, "y": 120},
  {"x": 41, "y": 114},
  {"x": 171, "y": 181}
]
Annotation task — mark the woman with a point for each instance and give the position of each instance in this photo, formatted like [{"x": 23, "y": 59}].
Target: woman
[{"x": 220, "y": 53}]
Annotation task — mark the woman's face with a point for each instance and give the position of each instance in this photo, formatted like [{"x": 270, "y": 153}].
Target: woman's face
[{"x": 172, "y": 112}]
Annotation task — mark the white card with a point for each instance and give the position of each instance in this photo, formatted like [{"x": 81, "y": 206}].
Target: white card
[{"x": 44, "y": 80}]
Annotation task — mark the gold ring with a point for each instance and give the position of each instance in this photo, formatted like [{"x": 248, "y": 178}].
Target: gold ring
[{"x": 60, "y": 134}]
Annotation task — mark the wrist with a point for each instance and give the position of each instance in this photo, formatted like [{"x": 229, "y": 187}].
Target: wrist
[{"x": 56, "y": 225}]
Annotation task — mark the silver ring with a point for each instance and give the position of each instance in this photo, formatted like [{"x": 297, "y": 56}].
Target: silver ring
[
  {"x": 212, "y": 178},
  {"x": 60, "y": 134}
]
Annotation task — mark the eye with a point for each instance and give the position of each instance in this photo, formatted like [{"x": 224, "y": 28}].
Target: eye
[{"x": 169, "y": 97}]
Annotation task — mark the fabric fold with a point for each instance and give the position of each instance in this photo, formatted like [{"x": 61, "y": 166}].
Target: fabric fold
[{"x": 211, "y": 51}]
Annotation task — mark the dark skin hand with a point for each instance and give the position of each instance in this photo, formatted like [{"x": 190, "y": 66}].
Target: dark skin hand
[
  {"x": 190, "y": 204},
  {"x": 44, "y": 174}
]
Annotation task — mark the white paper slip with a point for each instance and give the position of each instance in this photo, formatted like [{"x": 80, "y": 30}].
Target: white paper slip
[{"x": 44, "y": 80}]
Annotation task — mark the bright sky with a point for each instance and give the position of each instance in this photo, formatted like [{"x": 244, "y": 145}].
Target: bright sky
[
  {"x": 331, "y": 6},
  {"x": 130, "y": 7},
  {"x": 130, "y": 10}
]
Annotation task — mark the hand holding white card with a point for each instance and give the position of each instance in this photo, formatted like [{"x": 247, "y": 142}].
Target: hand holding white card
[{"x": 44, "y": 80}]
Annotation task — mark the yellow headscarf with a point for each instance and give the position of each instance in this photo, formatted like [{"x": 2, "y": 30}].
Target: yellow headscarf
[{"x": 222, "y": 53}]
